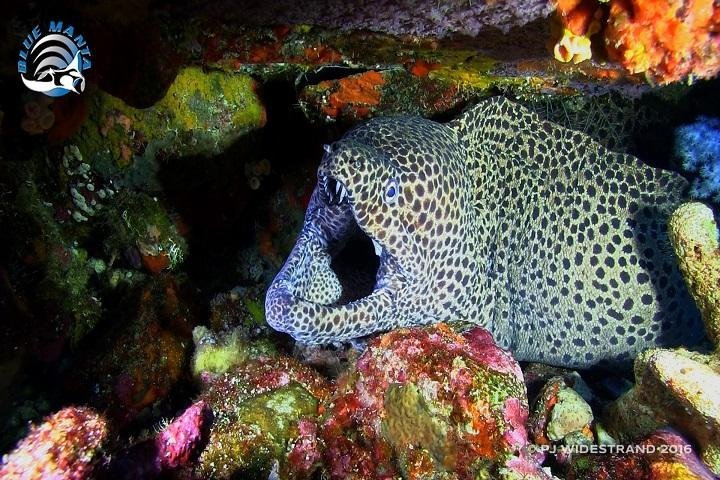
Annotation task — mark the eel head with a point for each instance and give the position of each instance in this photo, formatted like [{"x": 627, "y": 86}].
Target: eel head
[{"x": 359, "y": 199}]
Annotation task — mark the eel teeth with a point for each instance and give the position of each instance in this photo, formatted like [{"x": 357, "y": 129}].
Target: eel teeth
[
  {"x": 335, "y": 191},
  {"x": 378, "y": 248}
]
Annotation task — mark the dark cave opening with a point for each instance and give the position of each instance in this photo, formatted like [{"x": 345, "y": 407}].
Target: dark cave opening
[{"x": 215, "y": 198}]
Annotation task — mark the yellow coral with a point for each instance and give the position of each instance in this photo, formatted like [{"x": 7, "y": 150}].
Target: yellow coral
[{"x": 573, "y": 47}]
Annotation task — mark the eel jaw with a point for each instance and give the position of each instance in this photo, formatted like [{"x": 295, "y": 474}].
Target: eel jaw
[
  {"x": 334, "y": 191},
  {"x": 304, "y": 300}
]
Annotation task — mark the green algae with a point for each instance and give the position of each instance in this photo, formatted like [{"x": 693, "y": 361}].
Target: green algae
[
  {"x": 206, "y": 104},
  {"x": 257, "y": 311},
  {"x": 247, "y": 440},
  {"x": 219, "y": 355},
  {"x": 202, "y": 113},
  {"x": 495, "y": 388},
  {"x": 465, "y": 69}
]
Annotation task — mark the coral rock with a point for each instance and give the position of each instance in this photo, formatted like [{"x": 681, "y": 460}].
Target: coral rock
[
  {"x": 560, "y": 413},
  {"x": 216, "y": 354},
  {"x": 679, "y": 388},
  {"x": 265, "y": 412},
  {"x": 200, "y": 114},
  {"x": 428, "y": 402},
  {"x": 694, "y": 235},
  {"x": 572, "y": 47},
  {"x": 674, "y": 388},
  {"x": 140, "y": 363},
  {"x": 353, "y": 96},
  {"x": 177, "y": 445},
  {"x": 180, "y": 441},
  {"x": 65, "y": 445}
]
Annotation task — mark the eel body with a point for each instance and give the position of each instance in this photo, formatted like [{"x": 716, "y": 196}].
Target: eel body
[{"x": 556, "y": 245}]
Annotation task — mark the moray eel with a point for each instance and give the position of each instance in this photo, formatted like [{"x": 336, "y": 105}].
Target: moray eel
[{"x": 539, "y": 234}]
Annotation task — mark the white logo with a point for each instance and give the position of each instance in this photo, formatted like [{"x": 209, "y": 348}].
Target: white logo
[{"x": 52, "y": 62}]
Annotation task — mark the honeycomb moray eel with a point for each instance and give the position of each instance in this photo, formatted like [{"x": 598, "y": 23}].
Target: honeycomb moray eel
[{"x": 553, "y": 243}]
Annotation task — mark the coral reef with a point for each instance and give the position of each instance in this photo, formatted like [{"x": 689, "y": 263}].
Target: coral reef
[
  {"x": 265, "y": 412},
  {"x": 216, "y": 354},
  {"x": 200, "y": 114},
  {"x": 579, "y": 20},
  {"x": 436, "y": 83},
  {"x": 67, "y": 304},
  {"x": 65, "y": 445},
  {"x": 694, "y": 236},
  {"x": 159, "y": 199},
  {"x": 571, "y": 47},
  {"x": 74, "y": 444},
  {"x": 667, "y": 41},
  {"x": 241, "y": 308},
  {"x": 673, "y": 388},
  {"x": 537, "y": 375},
  {"x": 698, "y": 147},
  {"x": 429, "y": 402},
  {"x": 87, "y": 192},
  {"x": 138, "y": 226},
  {"x": 39, "y": 116},
  {"x": 353, "y": 96},
  {"x": 81, "y": 227}
]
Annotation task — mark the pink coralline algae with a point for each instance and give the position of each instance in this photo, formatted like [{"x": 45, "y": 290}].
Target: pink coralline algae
[
  {"x": 305, "y": 452},
  {"x": 423, "y": 402},
  {"x": 66, "y": 445},
  {"x": 180, "y": 441},
  {"x": 177, "y": 445}
]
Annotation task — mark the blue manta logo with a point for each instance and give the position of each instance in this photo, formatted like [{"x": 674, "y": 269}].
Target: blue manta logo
[{"x": 52, "y": 63}]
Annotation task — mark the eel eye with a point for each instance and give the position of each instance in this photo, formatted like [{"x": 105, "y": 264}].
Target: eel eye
[{"x": 392, "y": 191}]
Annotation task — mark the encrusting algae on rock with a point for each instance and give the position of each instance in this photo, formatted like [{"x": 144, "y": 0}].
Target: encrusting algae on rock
[
  {"x": 265, "y": 407},
  {"x": 67, "y": 445},
  {"x": 427, "y": 402},
  {"x": 202, "y": 113}
]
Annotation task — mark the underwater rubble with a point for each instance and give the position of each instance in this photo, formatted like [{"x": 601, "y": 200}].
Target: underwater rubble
[{"x": 143, "y": 220}]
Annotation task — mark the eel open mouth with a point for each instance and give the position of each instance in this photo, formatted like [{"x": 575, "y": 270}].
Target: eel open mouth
[
  {"x": 355, "y": 260},
  {"x": 337, "y": 282}
]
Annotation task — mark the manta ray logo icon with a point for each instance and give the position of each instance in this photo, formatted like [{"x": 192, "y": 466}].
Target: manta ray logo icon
[{"x": 52, "y": 62}]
